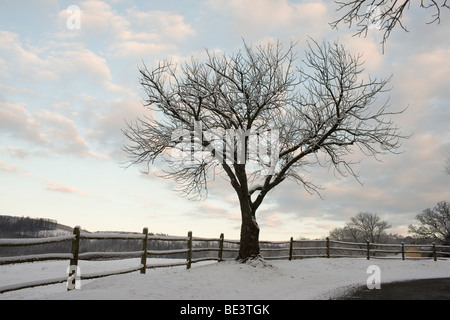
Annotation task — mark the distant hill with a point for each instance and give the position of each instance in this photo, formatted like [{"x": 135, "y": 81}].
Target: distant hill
[
  {"x": 13, "y": 227},
  {"x": 26, "y": 227}
]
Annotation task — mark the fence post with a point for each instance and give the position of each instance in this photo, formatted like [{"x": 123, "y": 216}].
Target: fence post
[
  {"x": 328, "y": 247},
  {"x": 403, "y": 251},
  {"x": 71, "y": 280},
  {"x": 368, "y": 250},
  {"x": 189, "y": 253},
  {"x": 434, "y": 252},
  {"x": 144, "y": 249},
  {"x": 221, "y": 247},
  {"x": 291, "y": 248}
]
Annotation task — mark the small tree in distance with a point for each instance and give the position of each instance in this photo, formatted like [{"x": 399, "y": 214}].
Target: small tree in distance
[
  {"x": 258, "y": 119},
  {"x": 365, "y": 226},
  {"x": 433, "y": 224}
]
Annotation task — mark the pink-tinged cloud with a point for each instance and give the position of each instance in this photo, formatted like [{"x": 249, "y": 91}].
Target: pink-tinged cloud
[
  {"x": 4, "y": 166},
  {"x": 16, "y": 152},
  {"x": 48, "y": 130},
  {"x": 25, "y": 64},
  {"x": 64, "y": 189},
  {"x": 131, "y": 34},
  {"x": 208, "y": 210},
  {"x": 271, "y": 220},
  {"x": 268, "y": 15},
  {"x": 17, "y": 121}
]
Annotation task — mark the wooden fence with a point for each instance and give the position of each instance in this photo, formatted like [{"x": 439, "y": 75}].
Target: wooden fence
[
  {"x": 340, "y": 249},
  {"x": 270, "y": 250}
]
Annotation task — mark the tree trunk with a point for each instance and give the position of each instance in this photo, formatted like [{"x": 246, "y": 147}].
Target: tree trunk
[
  {"x": 249, "y": 242},
  {"x": 249, "y": 247}
]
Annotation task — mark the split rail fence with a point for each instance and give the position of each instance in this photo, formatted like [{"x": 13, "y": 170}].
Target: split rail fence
[{"x": 270, "y": 250}]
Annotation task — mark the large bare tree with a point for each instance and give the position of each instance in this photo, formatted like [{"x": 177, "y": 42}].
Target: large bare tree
[{"x": 258, "y": 118}]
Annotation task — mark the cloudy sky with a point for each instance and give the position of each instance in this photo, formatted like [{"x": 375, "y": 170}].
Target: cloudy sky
[{"x": 67, "y": 89}]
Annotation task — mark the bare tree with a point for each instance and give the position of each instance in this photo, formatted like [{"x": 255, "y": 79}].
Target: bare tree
[
  {"x": 371, "y": 227},
  {"x": 363, "y": 227},
  {"x": 433, "y": 223},
  {"x": 257, "y": 119},
  {"x": 345, "y": 234},
  {"x": 383, "y": 15}
]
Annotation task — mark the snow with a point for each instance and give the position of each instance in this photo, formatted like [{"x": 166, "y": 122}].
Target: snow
[
  {"x": 37, "y": 257},
  {"x": 306, "y": 279}
]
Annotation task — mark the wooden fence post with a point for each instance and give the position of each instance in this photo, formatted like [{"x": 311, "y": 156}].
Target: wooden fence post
[
  {"x": 434, "y": 252},
  {"x": 144, "y": 249},
  {"x": 71, "y": 280},
  {"x": 189, "y": 253},
  {"x": 291, "y": 248},
  {"x": 328, "y": 247},
  {"x": 403, "y": 251},
  {"x": 368, "y": 250},
  {"x": 221, "y": 247}
]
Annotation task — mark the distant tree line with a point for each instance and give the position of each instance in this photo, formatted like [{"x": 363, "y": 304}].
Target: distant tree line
[
  {"x": 24, "y": 227},
  {"x": 433, "y": 225}
]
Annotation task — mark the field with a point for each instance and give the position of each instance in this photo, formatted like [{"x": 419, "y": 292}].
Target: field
[{"x": 307, "y": 279}]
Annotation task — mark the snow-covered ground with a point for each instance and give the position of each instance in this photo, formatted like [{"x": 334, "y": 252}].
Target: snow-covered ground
[{"x": 283, "y": 280}]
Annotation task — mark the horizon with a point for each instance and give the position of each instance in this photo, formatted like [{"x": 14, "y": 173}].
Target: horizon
[{"x": 58, "y": 224}]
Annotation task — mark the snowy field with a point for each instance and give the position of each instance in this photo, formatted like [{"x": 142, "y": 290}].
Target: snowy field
[{"x": 308, "y": 279}]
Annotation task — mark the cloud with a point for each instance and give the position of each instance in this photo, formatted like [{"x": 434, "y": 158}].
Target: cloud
[
  {"x": 63, "y": 135},
  {"x": 16, "y": 152},
  {"x": 158, "y": 25},
  {"x": 52, "y": 186},
  {"x": 104, "y": 120},
  {"x": 151, "y": 32},
  {"x": 210, "y": 211},
  {"x": 426, "y": 76},
  {"x": 252, "y": 18},
  {"x": 17, "y": 121},
  {"x": 370, "y": 50},
  {"x": 82, "y": 63},
  {"x": 22, "y": 62},
  {"x": 4, "y": 166},
  {"x": 67, "y": 69},
  {"x": 269, "y": 219},
  {"x": 45, "y": 131},
  {"x": 132, "y": 33},
  {"x": 65, "y": 65},
  {"x": 83, "y": 60}
]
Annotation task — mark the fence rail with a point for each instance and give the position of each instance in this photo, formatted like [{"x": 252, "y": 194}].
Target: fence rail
[{"x": 277, "y": 250}]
